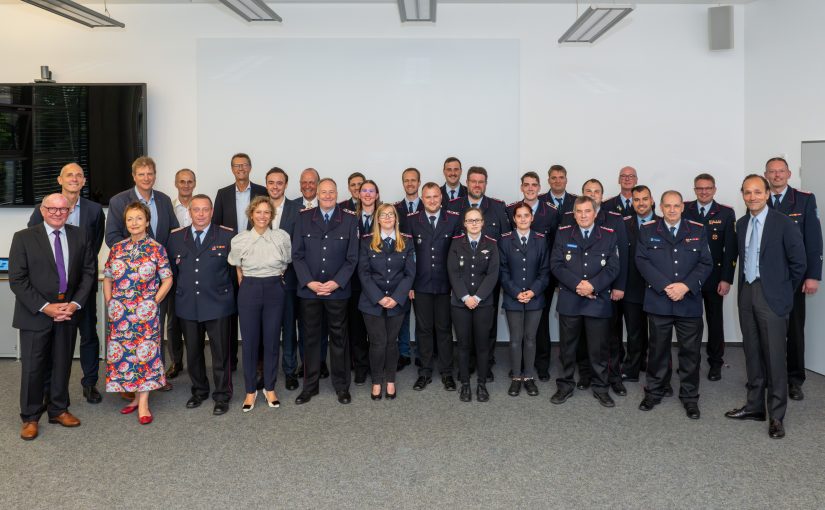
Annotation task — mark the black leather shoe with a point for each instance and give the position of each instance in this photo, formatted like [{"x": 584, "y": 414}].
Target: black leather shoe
[
  {"x": 221, "y": 407},
  {"x": 692, "y": 410},
  {"x": 173, "y": 371},
  {"x": 795, "y": 393},
  {"x": 530, "y": 387},
  {"x": 448, "y": 382},
  {"x": 668, "y": 390},
  {"x": 343, "y": 397},
  {"x": 466, "y": 394},
  {"x": 360, "y": 378},
  {"x": 91, "y": 395},
  {"x": 743, "y": 414},
  {"x": 305, "y": 397},
  {"x": 422, "y": 383},
  {"x": 583, "y": 384},
  {"x": 604, "y": 399},
  {"x": 630, "y": 378},
  {"x": 403, "y": 361},
  {"x": 391, "y": 396},
  {"x": 291, "y": 382},
  {"x": 776, "y": 430},
  {"x": 481, "y": 393},
  {"x": 561, "y": 396},
  {"x": 490, "y": 376},
  {"x": 647, "y": 404},
  {"x": 194, "y": 402},
  {"x": 619, "y": 389},
  {"x": 715, "y": 373},
  {"x": 515, "y": 388},
  {"x": 377, "y": 397},
  {"x": 324, "y": 372},
  {"x": 544, "y": 375}
]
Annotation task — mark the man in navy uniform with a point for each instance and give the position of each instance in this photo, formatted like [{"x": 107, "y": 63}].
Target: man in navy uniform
[
  {"x": 452, "y": 187},
  {"x": 545, "y": 222},
  {"x": 204, "y": 300},
  {"x": 325, "y": 256},
  {"x": 558, "y": 194},
  {"x": 623, "y": 202},
  {"x": 674, "y": 259},
  {"x": 432, "y": 230},
  {"x": 410, "y": 180},
  {"x": 354, "y": 182},
  {"x": 719, "y": 223},
  {"x": 800, "y": 206},
  {"x": 773, "y": 264},
  {"x": 585, "y": 262}
]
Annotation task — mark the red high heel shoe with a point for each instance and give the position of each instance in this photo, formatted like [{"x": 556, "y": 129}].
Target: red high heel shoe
[
  {"x": 129, "y": 409},
  {"x": 145, "y": 420}
]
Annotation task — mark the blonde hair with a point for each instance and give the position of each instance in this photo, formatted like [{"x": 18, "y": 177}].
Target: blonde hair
[
  {"x": 375, "y": 245},
  {"x": 260, "y": 199}
]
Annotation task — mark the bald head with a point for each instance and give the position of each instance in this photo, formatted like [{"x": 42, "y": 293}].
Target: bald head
[
  {"x": 309, "y": 183},
  {"x": 627, "y": 179},
  {"x": 71, "y": 180}
]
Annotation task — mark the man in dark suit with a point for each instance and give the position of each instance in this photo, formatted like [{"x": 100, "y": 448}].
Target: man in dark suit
[
  {"x": 89, "y": 216},
  {"x": 558, "y": 194},
  {"x": 800, "y": 206},
  {"x": 354, "y": 182},
  {"x": 410, "y": 180},
  {"x": 51, "y": 271},
  {"x": 452, "y": 187},
  {"x": 719, "y": 223},
  {"x": 623, "y": 202},
  {"x": 230, "y": 211},
  {"x": 204, "y": 300},
  {"x": 309, "y": 189},
  {"x": 773, "y": 263}
]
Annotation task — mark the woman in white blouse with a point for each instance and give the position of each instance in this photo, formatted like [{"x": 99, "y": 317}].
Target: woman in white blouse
[{"x": 261, "y": 256}]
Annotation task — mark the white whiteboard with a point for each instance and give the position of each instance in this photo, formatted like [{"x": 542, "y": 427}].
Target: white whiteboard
[{"x": 813, "y": 179}]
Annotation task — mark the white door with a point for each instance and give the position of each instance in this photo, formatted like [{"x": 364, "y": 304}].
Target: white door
[{"x": 813, "y": 179}]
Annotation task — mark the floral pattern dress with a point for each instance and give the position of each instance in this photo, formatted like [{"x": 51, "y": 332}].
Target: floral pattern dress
[{"x": 133, "y": 345}]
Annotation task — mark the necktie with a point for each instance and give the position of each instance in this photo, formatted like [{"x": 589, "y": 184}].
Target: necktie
[
  {"x": 587, "y": 234},
  {"x": 432, "y": 222},
  {"x": 752, "y": 253},
  {"x": 326, "y": 217},
  {"x": 307, "y": 205},
  {"x": 702, "y": 212},
  {"x": 776, "y": 200},
  {"x": 452, "y": 194},
  {"x": 559, "y": 201},
  {"x": 198, "y": 234},
  {"x": 627, "y": 204},
  {"x": 474, "y": 205},
  {"x": 388, "y": 243},
  {"x": 61, "y": 268},
  {"x": 673, "y": 231},
  {"x": 367, "y": 221},
  {"x": 410, "y": 207},
  {"x": 524, "y": 241},
  {"x": 473, "y": 245}
]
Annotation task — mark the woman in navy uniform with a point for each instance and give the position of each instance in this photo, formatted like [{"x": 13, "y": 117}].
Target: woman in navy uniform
[
  {"x": 386, "y": 268},
  {"x": 525, "y": 273},
  {"x": 472, "y": 266}
]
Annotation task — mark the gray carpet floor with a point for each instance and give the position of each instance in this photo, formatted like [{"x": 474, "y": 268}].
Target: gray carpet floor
[{"x": 423, "y": 450}]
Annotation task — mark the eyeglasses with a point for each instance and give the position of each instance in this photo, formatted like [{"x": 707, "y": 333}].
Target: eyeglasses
[
  {"x": 368, "y": 191},
  {"x": 57, "y": 210},
  {"x": 386, "y": 215},
  {"x": 240, "y": 166},
  {"x": 627, "y": 177},
  {"x": 473, "y": 221},
  {"x": 699, "y": 190}
]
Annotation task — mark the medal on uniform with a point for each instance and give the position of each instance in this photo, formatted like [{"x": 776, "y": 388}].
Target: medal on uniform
[
  {"x": 461, "y": 263},
  {"x": 418, "y": 240},
  {"x": 568, "y": 257},
  {"x": 715, "y": 237},
  {"x": 604, "y": 262}
]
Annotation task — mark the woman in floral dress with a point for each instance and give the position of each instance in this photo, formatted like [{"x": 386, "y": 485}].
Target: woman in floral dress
[{"x": 137, "y": 277}]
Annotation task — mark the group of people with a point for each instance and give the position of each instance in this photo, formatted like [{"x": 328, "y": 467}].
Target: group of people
[{"x": 314, "y": 276}]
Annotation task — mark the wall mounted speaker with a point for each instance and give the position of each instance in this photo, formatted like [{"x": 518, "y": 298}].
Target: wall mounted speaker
[{"x": 720, "y": 27}]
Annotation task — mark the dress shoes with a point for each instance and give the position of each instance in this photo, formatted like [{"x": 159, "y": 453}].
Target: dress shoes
[
  {"x": 403, "y": 361},
  {"x": 66, "y": 419},
  {"x": 795, "y": 392},
  {"x": 647, "y": 404},
  {"x": 466, "y": 394},
  {"x": 248, "y": 407},
  {"x": 166, "y": 387},
  {"x": 274, "y": 403},
  {"x": 561, "y": 396},
  {"x": 618, "y": 388},
  {"x": 376, "y": 397},
  {"x": 583, "y": 384},
  {"x": 481, "y": 393},
  {"x": 668, "y": 390},
  {"x": 291, "y": 382},
  {"x": 490, "y": 376},
  {"x": 173, "y": 371},
  {"x": 530, "y": 387},
  {"x": 221, "y": 407},
  {"x": 391, "y": 396},
  {"x": 345, "y": 398},
  {"x": 305, "y": 397},
  {"x": 692, "y": 410},
  {"x": 145, "y": 420},
  {"x": 193, "y": 402},
  {"x": 91, "y": 395},
  {"x": 448, "y": 382},
  {"x": 300, "y": 371},
  {"x": 360, "y": 377},
  {"x": 743, "y": 414},
  {"x": 776, "y": 429},
  {"x": 129, "y": 409},
  {"x": 324, "y": 372},
  {"x": 715, "y": 373},
  {"x": 604, "y": 399},
  {"x": 28, "y": 431},
  {"x": 515, "y": 388},
  {"x": 544, "y": 375},
  {"x": 422, "y": 383}
]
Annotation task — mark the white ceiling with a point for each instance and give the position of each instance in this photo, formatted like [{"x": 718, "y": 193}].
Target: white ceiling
[{"x": 275, "y": 3}]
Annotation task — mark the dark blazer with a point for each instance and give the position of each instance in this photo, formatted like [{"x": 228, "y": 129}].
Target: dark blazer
[
  {"x": 524, "y": 269},
  {"x": 719, "y": 222},
  {"x": 226, "y": 213},
  {"x": 116, "y": 228},
  {"x": 493, "y": 210},
  {"x": 800, "y": 206},
  {"x": 545, "y": 220},
  {"x": 566, "y": 205},
  {"x": 782, "y": 259},
  {"x": 347, "y": 204},
  {"x": 445, "y": 195},
  {"x": 299, "y": 201},
  {"x": 204, "y": 289},
  {"x": 385, "y": 273},
  {"x": 92, "y": 221},
  {"x": 33, "y": 274},
  {"x": 402, "y": 213},
  {"x": 473, "y": 273},
  {"x": 663, "y": 260},
  {"x": 594, "y": 259},
  {"x": 289, "y": 218},
  {"x": 635, "y": 289},
  {"x": 617, "y": 204},
  {"x": 431, "y": 248}
]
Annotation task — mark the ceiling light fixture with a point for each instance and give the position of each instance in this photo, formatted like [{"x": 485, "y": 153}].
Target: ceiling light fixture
[
  {"x": 594, "y": 22},
  {"x": 417, "y": 10},
  {"x": 252, "y": 10},
  {"x": 76, "y": 12}
]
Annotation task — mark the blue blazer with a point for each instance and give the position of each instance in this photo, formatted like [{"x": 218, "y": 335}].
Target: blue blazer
[
  {"x": 116, "y": 228},
  {"x": 524, "y": 269},
  {"x": 431, "y": 249},
  {"x": 385, "y": 273},
  {"x": 225, "y": 209},
  {"x": 615, "y": 222},
  {"x": 782, "y": 259}
]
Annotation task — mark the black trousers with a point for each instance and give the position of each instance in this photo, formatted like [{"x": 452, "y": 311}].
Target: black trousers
[
  {"x": 39, "y": 351},
  {"x": 261, "y": 305},
  {"x": 615, "y": 348},
  {"x": 233, "y": 327},
  {"x": 472, "y": 327},
  {"x": 433, "y": 328},
  {"x": 335, "y": 311},
  {"x": 383, "y": 345},
  {"x": 796, "y": 339},
  {"x": 543, "y": 333},
  {"x": 635, "y": 359},
  {"x": 359, "y": 349},
  {"x": 491, "y": 352},
  {"x": 289, "y": 333},
  {"x": 194, "y": 334},
  {"x": 89, "y": 340},
  {"x": 763, "y": 340},
  {"x": 523, "y": 325},
  {"x": 174, "y": 333},
  {"x": 573, "y": 331},
  {"x": 689, "y": 339},
  {"x": 715, "y": 348}
]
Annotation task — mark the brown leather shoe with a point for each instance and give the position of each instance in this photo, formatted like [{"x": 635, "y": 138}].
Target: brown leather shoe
[
  {"x": 29, "y": 431},
  {"x": 166, "y": 387},
  {"x": 66, "y": 419}
]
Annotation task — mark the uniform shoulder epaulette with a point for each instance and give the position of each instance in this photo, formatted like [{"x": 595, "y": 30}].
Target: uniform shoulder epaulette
[
  {"x": 538, "y": 234},
  {"x": 569, "y": 212},
  {"x": 565, "y": 227},
  {"x": 396, "y": 204},
  {"x": 177, "y": 230},
  {"x": 804, "y": 192},
  {"x": 551, "y": 204},
  {"x": 454, "y": 213},
  {"x": 507, "y": 234},
  {"x": 724, "y": 205},
  {"x": 512, "y": 204},
  {"x": 614, "y": 213},
  {"x": 695, "y": 223},
  {"x": 627, "y": 217},
  {"x": 650, "y": 222},
  {"x": 496, "y": 200},
  {"x": 459, "y": 236},
  {"x": 226, "y": 228},
  {"x": 305, "y": 209},
  {"x": 367, "y": 235},
  {"x": 413, "y": 213},
  {"x": 406, "y": 236},
  {"x": 490, "y": 238},
  {"x": 606, "y": 228},
  {"x": 348, "y": 211},
  {"x": 457, "y": 198}
]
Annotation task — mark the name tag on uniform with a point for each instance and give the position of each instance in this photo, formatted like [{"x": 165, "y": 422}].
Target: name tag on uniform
[
  {"x": 691, "y": 239},
  {"x": 715, "y": 222},
  {"x": 655, "y": 239},
  {"x": 571, "y": 245}
]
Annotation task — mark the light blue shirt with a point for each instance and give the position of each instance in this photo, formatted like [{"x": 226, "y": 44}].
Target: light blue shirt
[
  {"x": 74, "y": 216},
  {"x": 760, "y": 219},
  {"x": 478, "y": 204},
  {"x": 414, "y": 204},
  {"x": 700, "y": 205},
  {"x": 588, "y": 230},
  {"x": 669, "y": 226},
  {"x": 644, "y": 220},
  {"x": 781, "y": 195},
  {"x": 203, "y": 232},
  {"x": 242, "y": 199},
  {"x": 518, "y": 235},
  {"x": 326, "y": 211},
  {"x": 153, "y": 208},
  {"x": 436, "y": 214}
]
